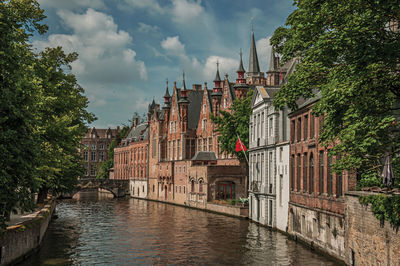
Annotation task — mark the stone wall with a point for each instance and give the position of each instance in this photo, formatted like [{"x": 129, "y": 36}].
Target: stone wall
[
  {"x": 320, "y": 229},
  {"x": 367, "y": 243},
  {"x": 19, "y": 240}
]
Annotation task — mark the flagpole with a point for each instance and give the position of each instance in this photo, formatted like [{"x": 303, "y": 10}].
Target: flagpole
[{"x": 241, "y": 144}]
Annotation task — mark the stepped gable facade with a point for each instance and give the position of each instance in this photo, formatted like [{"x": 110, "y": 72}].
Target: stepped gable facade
[{"x": 94, "y": 148}]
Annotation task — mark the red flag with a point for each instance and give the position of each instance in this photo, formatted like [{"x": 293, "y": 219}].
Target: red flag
[{"x": 240, "y": 146}]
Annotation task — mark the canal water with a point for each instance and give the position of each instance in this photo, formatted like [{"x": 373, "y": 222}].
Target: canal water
[{"x": 93, "y": 230}]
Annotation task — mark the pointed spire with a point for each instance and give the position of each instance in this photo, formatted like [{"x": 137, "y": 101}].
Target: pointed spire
[
  {"x": 241, "y": 68},
  {"x": 254, "y": 67},
  {"x": 272, "y": 60},
  {"x": 183, "y": 81},
  {"x": 167, "y": 92},
  {"x": 217, "y": 77}
]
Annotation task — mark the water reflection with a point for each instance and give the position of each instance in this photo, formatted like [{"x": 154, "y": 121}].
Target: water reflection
[{"x": 99, "y": 230}]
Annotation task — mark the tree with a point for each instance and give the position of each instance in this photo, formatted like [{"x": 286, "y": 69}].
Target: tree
[
  {"x": 18, "y": 94},
  {"x": 232, "y": 124},
  {"x": 350, "y": 53},
  {"x": 102, "y": 173},
  {"x": 62, "y": 119}
]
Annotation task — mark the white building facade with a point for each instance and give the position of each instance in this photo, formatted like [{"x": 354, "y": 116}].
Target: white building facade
[{"x": 268, "y": 161}]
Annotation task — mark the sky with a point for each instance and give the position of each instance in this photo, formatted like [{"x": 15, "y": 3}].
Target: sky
[{"x": 129, "y": 48}]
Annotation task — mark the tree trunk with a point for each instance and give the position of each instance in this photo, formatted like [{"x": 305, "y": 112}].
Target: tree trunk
[{"x": 42, "y": 195}]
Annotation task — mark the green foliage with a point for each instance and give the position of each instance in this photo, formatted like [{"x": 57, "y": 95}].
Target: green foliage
[
  {"x": 385, "y": 208},
  {"x": 231, "y": 124},
  {"x": 42, "y": 112},
  {"x": 351, "y": 56},
  {"x": 102, "y": 172}
]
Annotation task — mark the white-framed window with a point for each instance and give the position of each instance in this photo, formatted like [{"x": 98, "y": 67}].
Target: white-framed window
[
  {"x": 93, "y": 146},
  {"x": 85, "y": 156},
  {"x": 93, "y": 156},
  {"x": 101, "y": 156},
  {"x": 262, "y": 124},
  {"x": 92, "y": 170},
  {"x": 86, "y": 169},
  {"x": 271, "y": 127},
  {"x": 101, "y": 146}
]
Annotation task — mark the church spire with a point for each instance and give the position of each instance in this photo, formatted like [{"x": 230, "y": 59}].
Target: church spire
[
  {"x": 254, "y": 67},
  {"x": 167, "y": 97},
  {"x": 272, "y": 61},
  {"x": 217, "y": 77},
  {"x": 241, "y": 68}
]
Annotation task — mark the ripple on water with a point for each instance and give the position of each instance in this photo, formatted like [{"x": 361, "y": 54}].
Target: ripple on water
[{"x": 130, "y": 231}]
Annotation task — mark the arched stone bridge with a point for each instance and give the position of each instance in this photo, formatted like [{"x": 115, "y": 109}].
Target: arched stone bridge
[{"x": 119, "y": 188}]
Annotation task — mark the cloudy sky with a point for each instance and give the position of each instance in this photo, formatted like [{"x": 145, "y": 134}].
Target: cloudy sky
[{"x": 128, "y": 48}]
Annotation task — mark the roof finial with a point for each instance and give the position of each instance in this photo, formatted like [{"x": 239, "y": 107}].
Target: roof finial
[
  {"x": 252, "y": 25},
  {"x": 167, "y": 82},
  {"x": 183, "y": 74},
  {"x": 217, "y": 65},
  {"x": 183, "y": 81}
]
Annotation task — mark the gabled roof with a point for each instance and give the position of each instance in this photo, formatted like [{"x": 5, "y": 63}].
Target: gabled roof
[
  {"x": 101, "y": 132},
  {"x": 195, "y": 99},
  {"x": 140, "y": 132}
]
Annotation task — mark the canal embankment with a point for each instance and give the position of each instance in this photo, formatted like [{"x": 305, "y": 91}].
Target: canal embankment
[{"x": 20, "y": 240}]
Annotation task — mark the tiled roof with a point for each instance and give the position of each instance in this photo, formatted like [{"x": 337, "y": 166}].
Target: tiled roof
[
  {"x": 195, "y": 100},
  {"x": 101, "y": 132},
  {"x": 140, "y": 132}
]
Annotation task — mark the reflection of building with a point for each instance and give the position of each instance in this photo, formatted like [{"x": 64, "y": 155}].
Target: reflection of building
[
  {"x": 316, "y": 207},
  {"x": 269, "y": 151},
  {"x": 95, "y": 148},
  {"x": 131, "y": 159}
]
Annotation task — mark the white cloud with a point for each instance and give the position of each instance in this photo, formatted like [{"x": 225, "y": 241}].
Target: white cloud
[
  {"x": 173, "y": 46},
  {"x": 72, "y": 4},
  {"x": 186, "y": 10},
  {"x": 105, "y": 58},
  {"x": 226, "y": 65},
  {"x": 147, "y": 28},
  {"x": 151, "y": 5},
  {"x": 263, "y": 52},
  {"x": 104, "y": 53}
]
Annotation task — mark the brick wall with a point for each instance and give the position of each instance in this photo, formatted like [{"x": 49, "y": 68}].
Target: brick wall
[{"x": 367, "y": 243}]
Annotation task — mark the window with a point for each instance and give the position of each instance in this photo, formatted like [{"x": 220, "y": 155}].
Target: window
[
  {"x": 199, "y": 144},
  {"x": 305, "y": 188},
  {"x": 258, "y": 126},
  {"x": 201, "y": 186},
  {"x": 312, "y": 129},
  {"x": 280, "y": 189},
  {"x": 101, "y": 156},
  {"x": 92, "y": 170},
  {"x": 298, "y": 171},
  {"x": 192, "y": 186},
  {"x": 85, "y": 156},
  {"x": 86, "y": 169},
  {"x": 311, "y": 173},
  {"x": 280, "y": 154},
  {"x": 101, "y": 146},
  {"x": 204, "y": 108},
  {"x": 305, "y": 127},
  {"x": 184, "y": 189},
  {"x": 292, "y": 129},
  {"x": 210, "y": 146},
  {"x": 262, "y": 167},
  {"x": 204, "y": 124},
  {"x": 321, "y": 172},
  {"x": 270, "y": 172},
  {"x": 173, "y": 150},
  {"x": 262, "y": 125},
  {"x": 154, "y": 188},
  {"x": 176, "y": 189},
  {"x": 86, "y": 145},
  {"x": 225, "y": 191},
  {"x": 178, "y": 150},
  {"x": 108, "y": 146},
  {"x": 93, "y": 146},
  {"x": 299, "y": 130},
  {"x": 180, "y": 191},
  {"x": 204, "y": 144},
  {"x": 184, "y": 169},
  {"x": 329, "y": 175},
  {"x": 271, "y": 127},
  {"x": 93, "y": 156},
  {"x": 225, "y": 103}
]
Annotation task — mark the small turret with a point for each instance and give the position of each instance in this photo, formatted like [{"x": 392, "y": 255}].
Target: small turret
[
  {"x": 217, "y": 90},
  {"x": 167, "y": 98}
]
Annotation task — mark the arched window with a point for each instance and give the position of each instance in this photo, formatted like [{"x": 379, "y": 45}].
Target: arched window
[
  {"x": 311, "y": 173},
  {"x": 305, "y": 188},
  {"x": 201, "y": 186},
  {"x": 192, "y": 186}
]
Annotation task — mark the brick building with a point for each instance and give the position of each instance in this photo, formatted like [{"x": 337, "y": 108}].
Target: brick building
[
  {"x": 316, "y": 207},
  {"x": 131, "y": 159},
  {"x": 186, "y": 163},
  {"x": 94, "y": 149}
]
